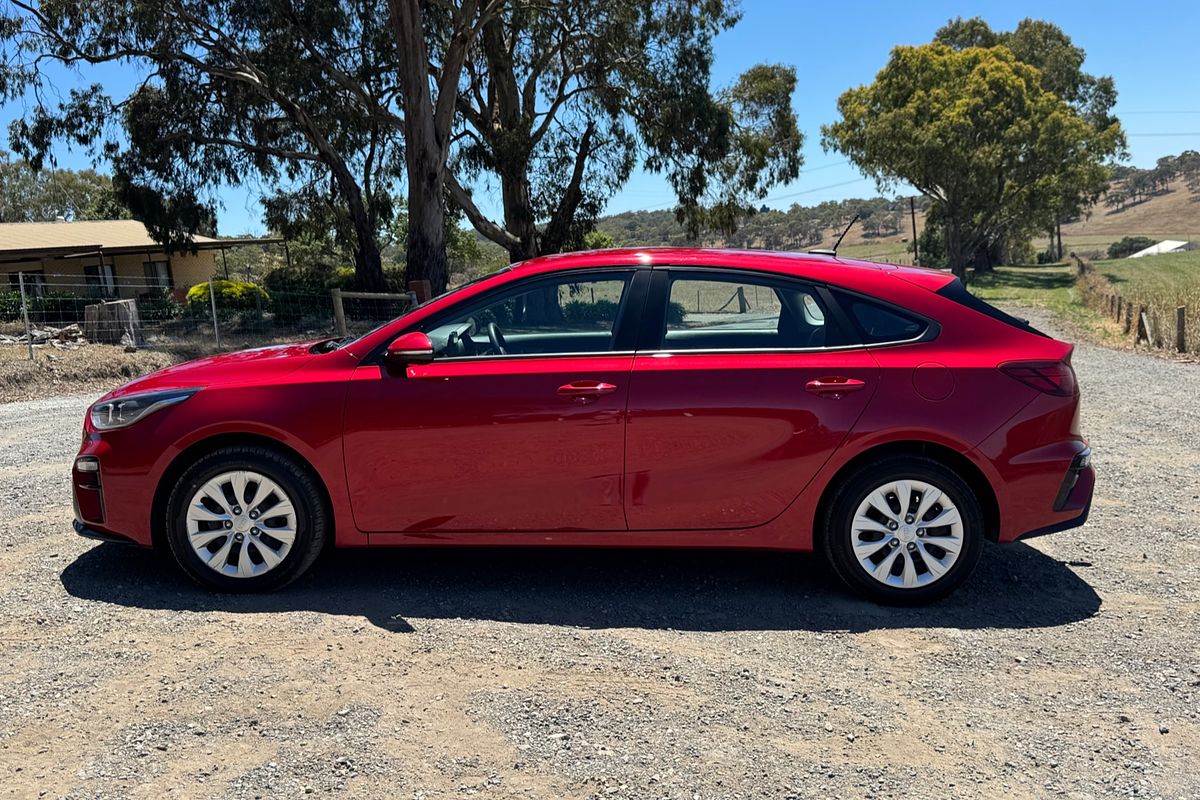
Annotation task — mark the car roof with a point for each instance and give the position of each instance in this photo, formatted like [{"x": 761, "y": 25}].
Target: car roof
[{"x": 815, "y": 266}]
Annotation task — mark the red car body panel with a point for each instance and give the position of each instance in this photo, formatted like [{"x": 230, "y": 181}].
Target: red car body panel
[
  {"x": 498, "y": 448},
  {"x": 730, "y": 440},
  {"x": 688, "y": 449}
]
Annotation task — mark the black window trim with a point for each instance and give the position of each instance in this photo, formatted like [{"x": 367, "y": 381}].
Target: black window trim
[
  {"x": 957, "y": 292},
  {"x": 624, "y": 330},
  {"x": 653, "y": 331},
  {"x": 932, "y": 330}
]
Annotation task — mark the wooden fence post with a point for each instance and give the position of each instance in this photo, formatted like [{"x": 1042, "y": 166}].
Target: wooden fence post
[
  {"x": 1128, "y": 317},
  {"x": 339, "y": 312},
  {"x": 1143, "y": 327},
  {"x": 1120, "y": 307},
  {"x": 1181, "y": 329}
]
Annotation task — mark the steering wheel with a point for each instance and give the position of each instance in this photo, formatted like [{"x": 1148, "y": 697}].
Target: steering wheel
[{"x": 497, "y": 339}]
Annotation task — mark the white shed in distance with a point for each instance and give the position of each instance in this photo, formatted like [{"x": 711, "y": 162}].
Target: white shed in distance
[{"x": 1166, "y": 246}]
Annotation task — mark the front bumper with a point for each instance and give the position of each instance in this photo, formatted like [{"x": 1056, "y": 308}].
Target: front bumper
[{"x": 99, "y": 535}]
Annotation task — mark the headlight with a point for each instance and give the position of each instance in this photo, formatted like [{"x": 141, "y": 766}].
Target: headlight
[{"x": 121, "y": 412}]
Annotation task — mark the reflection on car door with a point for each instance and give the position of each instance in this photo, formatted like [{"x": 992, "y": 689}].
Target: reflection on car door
[
  {"x": 743, "y": 394},
  {"x": 533, "y": 440}
]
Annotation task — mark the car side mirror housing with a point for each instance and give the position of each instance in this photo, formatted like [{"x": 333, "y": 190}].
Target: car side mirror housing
[{"x": 411, "y": 348}]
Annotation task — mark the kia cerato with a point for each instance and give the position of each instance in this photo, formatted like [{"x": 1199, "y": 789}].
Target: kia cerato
[{"x": 881, "y": 415}]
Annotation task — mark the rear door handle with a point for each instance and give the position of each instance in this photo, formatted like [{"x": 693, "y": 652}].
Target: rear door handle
[
  {"x": 585, "y": 389},
  {"x": 834, "y": 385}
]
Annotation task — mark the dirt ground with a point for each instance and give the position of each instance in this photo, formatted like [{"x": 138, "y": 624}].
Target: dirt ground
[
  {"x": 1068, "y": 666},
  {"x": 93, "y": 368}
]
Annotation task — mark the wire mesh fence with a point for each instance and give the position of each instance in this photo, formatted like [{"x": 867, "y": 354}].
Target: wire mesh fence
[{"x": 68, "y": 311}]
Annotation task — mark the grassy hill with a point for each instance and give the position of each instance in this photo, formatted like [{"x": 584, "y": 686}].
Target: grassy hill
[
  {"x": 799, "y": 228},
  {"x": 1172, "y": 215}
]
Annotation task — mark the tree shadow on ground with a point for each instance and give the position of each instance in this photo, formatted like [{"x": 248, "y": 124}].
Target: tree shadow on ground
[
  {"x": 1027, "y": 278},
  {"x": 1015, "y": 586}
]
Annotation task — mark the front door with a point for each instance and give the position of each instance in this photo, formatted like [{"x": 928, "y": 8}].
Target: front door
[
  {"x": 517, "y": 425},
  {"x": 741, "y": 398}
]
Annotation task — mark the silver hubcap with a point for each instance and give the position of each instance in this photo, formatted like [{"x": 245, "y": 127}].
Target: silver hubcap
[
  {"x": 241, "y": 524},
  {"x": 906, "y": 534}
]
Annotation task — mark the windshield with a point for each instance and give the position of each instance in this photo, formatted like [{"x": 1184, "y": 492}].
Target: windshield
[{"x": 339, "y": 343}]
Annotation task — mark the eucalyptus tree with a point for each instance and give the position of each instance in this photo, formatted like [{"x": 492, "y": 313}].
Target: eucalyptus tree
[
  {"x": 563, "y": 99},
  {"x": 975, "y": 131},
  {"x": 294, "y": 98}
]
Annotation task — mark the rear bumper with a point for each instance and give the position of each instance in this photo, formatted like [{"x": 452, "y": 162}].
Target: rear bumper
[
  {"x": 1074, "y": 496},
  {"x": 1058, "y": 527}
]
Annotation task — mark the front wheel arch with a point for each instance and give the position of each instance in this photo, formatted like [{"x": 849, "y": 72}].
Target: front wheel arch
[
  {"x": 198, "y": 450},
  {"x": 956, "y": 461}
]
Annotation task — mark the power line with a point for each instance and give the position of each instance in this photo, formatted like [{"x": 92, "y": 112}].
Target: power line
[
  {"x": 814, "y": 189},
  {"x": 830, "y": 165}
]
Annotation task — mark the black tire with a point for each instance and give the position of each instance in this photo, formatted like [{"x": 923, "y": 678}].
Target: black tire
[
  {"x": 312, "y": 518},
  {"x": 836, "y": 538}
]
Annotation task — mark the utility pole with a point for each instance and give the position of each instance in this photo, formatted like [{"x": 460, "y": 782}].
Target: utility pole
[{"x": 912, "y": 210}]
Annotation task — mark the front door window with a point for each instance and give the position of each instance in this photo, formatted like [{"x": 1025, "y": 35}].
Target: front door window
[{"x": 556, "y": 317}]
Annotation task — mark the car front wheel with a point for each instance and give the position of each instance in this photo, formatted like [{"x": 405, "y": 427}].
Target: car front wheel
[
  {"x": 905, "y": 531},
  {"x": 245, "y": 519}
]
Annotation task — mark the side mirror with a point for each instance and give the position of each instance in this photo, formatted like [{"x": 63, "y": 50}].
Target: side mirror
[{"x": 411, "y": 348}]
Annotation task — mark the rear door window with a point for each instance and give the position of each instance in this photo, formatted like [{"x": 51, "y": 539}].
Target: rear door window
[{"x": 713, "y": 311}]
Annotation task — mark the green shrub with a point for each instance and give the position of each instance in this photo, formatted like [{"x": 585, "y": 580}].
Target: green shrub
[
  {"x": 57, "y": 308},
  {"x": 10, "y": 306},
  {"x": 230, "y": 295},
  {"x": 675, "y": 313},
  {"x": 159, "y": 307},
  {"x": 1128, "y": 246},
  {"x": 295, "y": 279},
  {"x": 598, "y": 311}
]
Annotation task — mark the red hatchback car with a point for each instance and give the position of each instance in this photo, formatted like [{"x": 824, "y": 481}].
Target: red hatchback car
[{"x": 653, "y": 397}]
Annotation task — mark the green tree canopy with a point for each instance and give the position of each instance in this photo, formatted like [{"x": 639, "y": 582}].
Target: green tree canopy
[
  {"x": 1059, "y": 61},
  {"x": 32, "y": 195},
  {"x": 562, "y": 98},
  {"x": 976, "y": 132},
  {"x": 289, "y": 97},
  {"x": 335, "y": 108}
]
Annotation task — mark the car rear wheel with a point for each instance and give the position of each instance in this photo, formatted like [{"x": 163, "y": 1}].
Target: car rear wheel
[
  {"x": 245, "y": 519},
  {"x": 905, "y": 531}
]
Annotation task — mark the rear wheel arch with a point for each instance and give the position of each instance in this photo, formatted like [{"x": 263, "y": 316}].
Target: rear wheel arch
[
  {"x": 198, "y": 450},
  {"x": 946, "y": 456}
]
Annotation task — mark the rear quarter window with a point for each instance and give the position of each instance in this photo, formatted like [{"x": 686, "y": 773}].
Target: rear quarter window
[{"x": 880, "y": 324}]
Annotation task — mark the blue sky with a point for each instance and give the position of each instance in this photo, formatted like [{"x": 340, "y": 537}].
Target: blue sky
[{"x": 1146, "y": 47}]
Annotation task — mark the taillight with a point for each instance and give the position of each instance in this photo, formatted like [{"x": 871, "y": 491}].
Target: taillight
[{"x": 1051, "y": 377}]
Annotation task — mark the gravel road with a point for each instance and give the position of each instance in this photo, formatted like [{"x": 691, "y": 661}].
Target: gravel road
[{"x": 1068, "y": 666}]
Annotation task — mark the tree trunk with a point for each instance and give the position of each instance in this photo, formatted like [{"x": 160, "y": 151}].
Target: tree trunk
[
  {"x": 427, "y": 123},
  {"x": 988, "y": 256},
  {"x": 956, "y": 254},
  {"x": 426, "y": 257},
  {"x": 1058, "y": 227},
  {"x": 368, "y": 265},
  {"x": 518, "y": 213}
]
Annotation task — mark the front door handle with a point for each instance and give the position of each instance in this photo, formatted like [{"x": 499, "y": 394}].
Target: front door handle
[
  {"x": 582, "y": 390},
  {"x": 834, "y": 386}
]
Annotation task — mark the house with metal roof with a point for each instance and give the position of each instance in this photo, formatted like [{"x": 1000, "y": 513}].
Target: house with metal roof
[{"x": 107, "y": 258}]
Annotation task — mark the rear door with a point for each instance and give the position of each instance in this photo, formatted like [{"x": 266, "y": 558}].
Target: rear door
[{"x": 743, "y": 385}]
